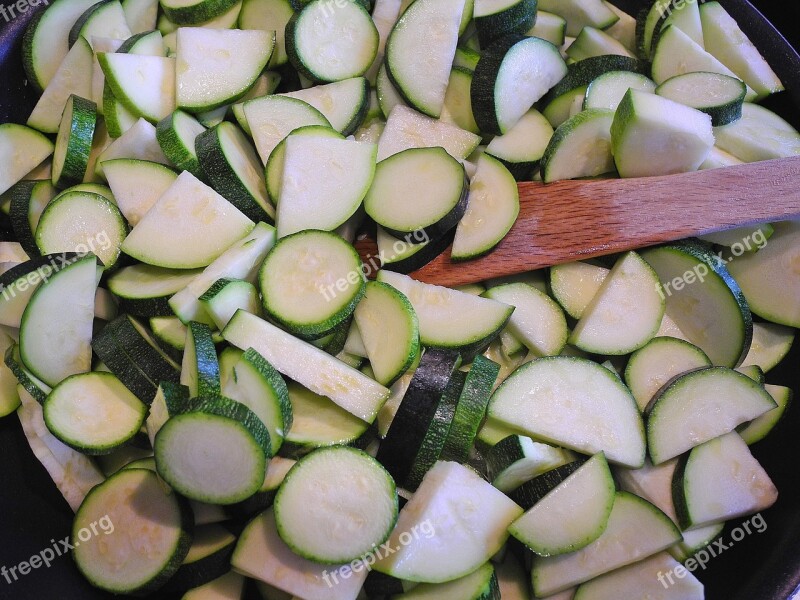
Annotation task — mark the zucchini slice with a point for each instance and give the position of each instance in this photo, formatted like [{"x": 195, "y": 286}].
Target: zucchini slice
[
  {"x": 304, "y": 363},
  {"x": 658, "y": 362},
  {"x": 213, "y": 450},
  {"x": 420, "y": 72},
  {"x": 93, "y": 412},
  {"x": 513, "y": 73},
  {"x": 128, "y": 500},
  {"x": 28, "y": 382},
  {"x": 21, "y": 150},
  {"x": 492, "y": 210},
  {"x": 580, "y": 13},
  {"x": 594, "y": 42},
  {"x": 226, "y": 296},
  {"x": 429, "y": 204},
  {"x": 771, "y": 344},
  {"x": 573, "y": 285},
  {"x": 592, "y": 407},
  {"x": 584, "y": 499},
  {"x": 208, "y": 558},
  {"x": 347, "y": 484},
  {"x": 145, "y": 85},
  {"x": 327, "y": 43},
  {"x": 188, "y": 227},
  {"x": 194, "y": 12},
  {"x": 447, "y": 489},
  {"x": 104, "y": 19},
  {"x": 449, "y": 318},
  {"x": 496, "y": 18},
  {"x": 216, "y": 67},
  {"x": 226, "y": 587},
  {"x": 521, "y": 149},
  {"x": 74, "y": 142},
  {"x": 481, "y": 584},
  {"x": 759, "y": 135},
  {"x": 141, "y": 15},
  {"x": 700, "y": 406},
  {"x": 580, "y": 147},
  {"x": 200, "y": 366},
  {"x": 176, "y": 135},
  {"x": 719, "y": 96},
  {"x": 457, "y": 107},
  {"x": 138, "y": 142},
  {"x": 28, "y": 201},
  {"x": 517, "y": 459},
  {"x": 631, "y": 294},
  {"x": 56, "y": 329},
  {"x": 638, "y": 530},
  {"x": 608, "y": 90},
  {"x": 757, "y": 429},
  {"x": 256, "y": 384},
  {"x": 720, "y": 480},
  {"x": 344, "y": 103},
  {"x": 323, "y": 183},
  {"x": 137, "y": 185}
]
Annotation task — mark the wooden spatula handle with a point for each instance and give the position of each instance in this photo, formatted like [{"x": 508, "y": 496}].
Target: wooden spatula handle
[{"x": 574, "y": 220}]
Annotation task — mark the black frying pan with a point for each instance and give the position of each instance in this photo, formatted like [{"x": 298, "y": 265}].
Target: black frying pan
[{"x": 760, "y": 567}]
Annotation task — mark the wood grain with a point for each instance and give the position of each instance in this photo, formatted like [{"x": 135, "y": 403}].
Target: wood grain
[{"x": 573, "y": 220}]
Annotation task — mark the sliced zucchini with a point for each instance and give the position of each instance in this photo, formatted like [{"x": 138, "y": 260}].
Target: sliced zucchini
[
  {"x": 517, "y": 459},
  {"x": 145, "y": 85},
  {"x": 580, "y": 13},
  {"x": 406, "y": 128},
  {"x": 521, "y": 149},
  {"x": 55, "y": 348},
  {"x": 318, "y": 422},
  {"x": 636, "y": 155},
  {"x": 82, "y": 222},
  {"x": 457, "y": 107},
  {"x": 574, "y": 285},
  {"x": 312, "y": 525},
  {"x": 447, "y": 489},
  {"x": 256, "y": 384},
  {"x": 513, "y": 73},
  {"x": 592, "y": 407},
  {"x": 704, "y": 301},
  {"x": 226, "y": 296},
  {"x": 432, "y": 202},
  {"x": 662, "y": 359},
  {"x": 232, "y": 166},
  {"x": 580, "y": 147},
  {"x": 304, "y": 363},
  {"x": 104, "y": 19},
  {"x": 216, "y": 67},
  {"x": 138, "y": 142},
  {"x": 344, "y": 103},
  {"x": 699, "y": 406},
  {"x": 194, "y": 12},
  {"x": 719, "y": 96},
  {"x": 584, "y": 499},
  {"x": 638, "y": 530},
  {"x": 176, "y": 135},
  {"x": 759, "y": 428},
  {"x": 168, "y": 401},
  {"x": 726, "y": 41},
  {"x": 537, "y": 321},
  {"x": 492, "y": 209},
  {"x": 93, "y": 413},
  {"x": 323, "y": 183},
  {"x": 73, "y": 77},
  {"x": 28, "y": 201},
  {"x": 449, "y": 318},
  {"x": 128, "y": 500},
  {"x": 137, "y": 185},
  {"x": 494, "y": 19},
  {"x": 188, "y": 227},
  {"x": 609, "y": 88},
  {"x": 759, "y": 135},
  {"x": 771, "y": 343},
  {"x": 631, "y": 294},
  {"x": 141, "y": 16},
  {"x": 720, "y": 480},
  {"x": 208, "y": 558},
  {"x": 200, "y": 366},
  {"x": 623, "y": 30},
  {"x": 387, "y": 94},
  {"x": 21, "y": 150},
  {"x": 481, "y": 584},
  {"x": 74, "y": 142},
  {"x": 594, "y": 42},
  {"x": 118, "y": 119},
  {"x": 326, "y": 43},
  {"x": 213, "y": 450},
  {"x": 420, "y": 72},
  {"x": 744, "y": 237},
  {"x": 268, "y": 15},
  {"x": 144, "y": 290}
]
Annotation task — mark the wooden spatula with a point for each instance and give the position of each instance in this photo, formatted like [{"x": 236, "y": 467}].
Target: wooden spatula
[{"x": 574, "y": 220}]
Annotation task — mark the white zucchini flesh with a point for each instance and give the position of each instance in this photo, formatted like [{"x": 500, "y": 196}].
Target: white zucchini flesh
[
  {"x": 594, "y": 42},
  {"x": 721, "y": 481},
  {"x": 478, "y": 584},
  {"x": 311, "y": 367},
  {"x": 491, "y": 212},
  {"x": 421, "y": 71},
  {"x": 261, "y": 554},
  {"x": 767, "y": 278},
  {"x": 574, "y": 403},
  {"x": 21, "y": 150},
  {"x": 321, "y": 505},
  {"x": 636, "y": 529},
  {"x": 771, "y": 343},
  {"x": 624, "y": 30},
  {"x": 144, "y": 84},
  {"x": 572, "y": 515},
  {"x": 448, "y": 546},
  {"x": 719, "y": 158},
  {"x": 625, "y": 313},
  {"x": 138, "y": 142},
  {"x": 228, "y": 587},
  {"x": 537, "y": 459},
  {"x": 73, "y": 473},
  {"x": 74, "y": 76},
  {"x": 537, "y": 321},
  {"x": 406, "y": 128},
  {"x": 575, "y": 284},
  {"x": 272, "y": 118},
  {"x": 448, "y": 317},
  {"x": 216, "y": 66},
  {"x": 188, "y": 227},
  {"x": 317, "y": 421},
  {"x": 140, "y": 15},
  {"x": 527, "y": 140},
  {"x": 55, "y": 348},
  {"x": 580, "y": 147},
  {"x": 658, "y": 362},
  {"x": 700, "y": 406},
  {"x": 324, "y": 181},
  {"x": 608, "y": 90},
  {"x": 137, "y": 185},
  {"x": 339, "y": 101},
  {"x": 759, "y": 135},
  {"x": 101, "y": 44},
  {"x": 240, "y": 261},
  {"x": 641, "y": 579},
  {"x": 384, "y": 14}
]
